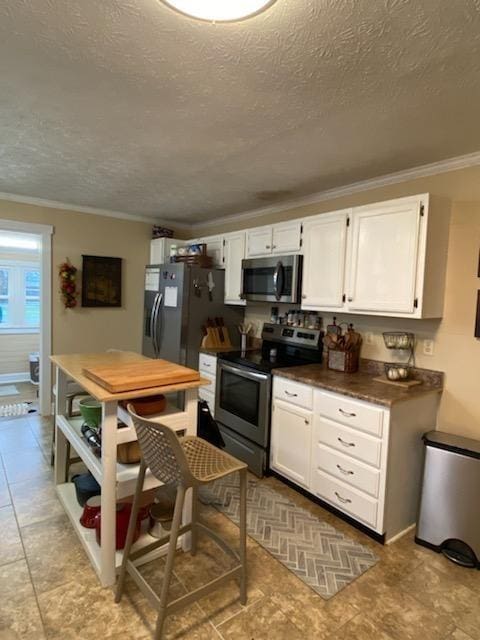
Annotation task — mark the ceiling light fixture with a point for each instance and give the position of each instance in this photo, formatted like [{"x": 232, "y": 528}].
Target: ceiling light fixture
[{"x": 219, "y": 10}]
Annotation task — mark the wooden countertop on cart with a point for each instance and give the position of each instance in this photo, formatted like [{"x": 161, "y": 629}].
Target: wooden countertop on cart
[{"x": 73, "y": 365}]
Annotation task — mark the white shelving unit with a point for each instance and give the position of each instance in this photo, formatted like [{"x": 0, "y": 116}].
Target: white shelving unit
[{"x": 117, "y": 480}]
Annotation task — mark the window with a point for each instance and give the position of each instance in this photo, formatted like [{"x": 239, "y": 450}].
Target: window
[{"x": 19, "y": 296}]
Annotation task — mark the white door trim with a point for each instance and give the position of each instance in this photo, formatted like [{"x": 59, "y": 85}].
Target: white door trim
[{"x": 45, "y": 233}]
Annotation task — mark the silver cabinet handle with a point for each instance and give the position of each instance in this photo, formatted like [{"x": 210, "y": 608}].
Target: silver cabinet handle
[
  {"x": 304, "y": 295},
  {"x": 274, "y": 246},
  {"x": 347, "y": 414},
  {"x": 350, "y": 299},
  {"x": 344, "y": 500},
  {"x": 345, "y": 444},
  {"x": 307, "y": 421},
  {"x": 206, "y": 364},
  {"x": 291, "y": 395},
  {"x": 346, "y": 472},
  {"x": 267, "y": 246}
]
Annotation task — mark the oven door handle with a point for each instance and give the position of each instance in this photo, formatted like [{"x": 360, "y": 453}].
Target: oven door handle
[
  {"x": 252, "y": 375},
  {"x": 278, "y": 280}
]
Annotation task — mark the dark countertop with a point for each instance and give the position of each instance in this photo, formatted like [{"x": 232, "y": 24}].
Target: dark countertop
[{"x": 361, "y": 385}]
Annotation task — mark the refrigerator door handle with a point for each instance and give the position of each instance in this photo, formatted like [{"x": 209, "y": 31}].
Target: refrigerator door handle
[
  {"x": 156, "y": 332},
  {"x": 152, "y": 319}
]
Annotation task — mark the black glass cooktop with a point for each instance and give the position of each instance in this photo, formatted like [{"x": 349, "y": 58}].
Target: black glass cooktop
[{"x": 266, "y": 360}]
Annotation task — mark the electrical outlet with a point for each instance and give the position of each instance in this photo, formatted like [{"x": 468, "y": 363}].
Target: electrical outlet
[
  {"x": 428, "y": 347},
  {"x": 369, "y": 338}
]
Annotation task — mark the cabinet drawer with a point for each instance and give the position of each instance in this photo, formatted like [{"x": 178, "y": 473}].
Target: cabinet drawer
[
  {"x": 346, "y": 469},
  {"x": 349, "y": 441},
  {"x": 294, "y": 392},
  {"x": 353, "y": 413},
  {"x": 347, "y": 499},
  {"x": 207, "y": 364}
]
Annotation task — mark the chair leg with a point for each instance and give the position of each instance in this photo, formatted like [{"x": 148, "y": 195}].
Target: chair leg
[
  {"x": 194, "y": 534},
  {"x": 131, "y": 530},
  {"x": 243, "y": 535},
  {"x": 172, "y": 548}
]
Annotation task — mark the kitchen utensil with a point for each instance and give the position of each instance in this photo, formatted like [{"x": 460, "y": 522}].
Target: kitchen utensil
[
  {"x": 85, "y": 487},
  {"x": 121, "y": 526},
  {"x": 93, "y": 438},
  {"x": 220, "y": 330},
  {"x": 140, "y": 375},
  {"x": 90, "y": 510},
  {"x": 226, "y": 335},
  {"x": 91, "y": 411},
  {"x": 148, "y": 406},
  {"x": 334, "y": 329}
]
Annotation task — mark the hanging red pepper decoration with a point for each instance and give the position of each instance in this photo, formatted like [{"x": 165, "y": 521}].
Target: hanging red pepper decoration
[{"x": 68, "y": 287}]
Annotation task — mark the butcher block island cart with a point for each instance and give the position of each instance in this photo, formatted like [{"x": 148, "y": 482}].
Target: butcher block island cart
[{"x": 116, "y": 480}]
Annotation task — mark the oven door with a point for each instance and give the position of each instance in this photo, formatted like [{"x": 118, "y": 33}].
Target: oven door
[
  {"x": 242, "y": 401},
  {"x": 275, "y": 279}
]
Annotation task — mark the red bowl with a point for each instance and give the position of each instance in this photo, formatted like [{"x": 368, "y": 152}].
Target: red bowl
[
  {"x": 90, "y": 510},
  {"x": 121, "y": 526}
]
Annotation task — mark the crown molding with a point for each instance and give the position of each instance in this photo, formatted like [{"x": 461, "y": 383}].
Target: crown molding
[
  {"x": 55, "y": 204},
  {"x": 422, "y": 171}
]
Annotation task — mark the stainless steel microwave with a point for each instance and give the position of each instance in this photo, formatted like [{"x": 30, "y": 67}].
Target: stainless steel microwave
[{"x": 274, "y": 279}]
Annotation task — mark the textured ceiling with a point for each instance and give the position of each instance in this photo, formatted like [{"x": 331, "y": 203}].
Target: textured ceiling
[{"x": 126, "y": 105}]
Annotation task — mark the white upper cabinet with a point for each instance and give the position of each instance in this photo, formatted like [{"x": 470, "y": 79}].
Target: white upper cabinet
[
  {"x": 383, "y": 256},
  {"x": 259, "y": 242},
  {"x": 286, "y": 237},
  {"x": 234, "y": 253},
  {"x": 160, "y": 249},
  {"x": 324, "y": 249},
  {"x": 279, "y": 239},
  {"x": 214, "y": 249},
  {"x": 397, "y": 257}
]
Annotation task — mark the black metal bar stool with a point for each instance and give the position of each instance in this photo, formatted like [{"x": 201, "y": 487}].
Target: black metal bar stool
[{"x": 188, "y": 462}]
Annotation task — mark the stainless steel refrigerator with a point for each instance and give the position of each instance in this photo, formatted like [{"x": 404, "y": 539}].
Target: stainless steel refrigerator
[{"x": 178, "y": 301}]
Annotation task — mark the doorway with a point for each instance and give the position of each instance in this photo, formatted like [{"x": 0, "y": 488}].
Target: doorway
[{"x": 25, "y": 318}]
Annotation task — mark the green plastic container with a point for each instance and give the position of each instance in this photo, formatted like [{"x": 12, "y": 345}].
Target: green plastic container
[{"x": 91, "y": 411}]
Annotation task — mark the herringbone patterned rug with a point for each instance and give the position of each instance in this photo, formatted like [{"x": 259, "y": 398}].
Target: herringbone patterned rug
[{"x": 313, "y": 550}]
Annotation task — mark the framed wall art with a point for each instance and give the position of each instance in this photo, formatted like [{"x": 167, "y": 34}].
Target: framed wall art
[{"x": 101, "y": 281}]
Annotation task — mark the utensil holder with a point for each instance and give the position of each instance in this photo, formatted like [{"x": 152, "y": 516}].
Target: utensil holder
[{"x": 345, "y": 361}]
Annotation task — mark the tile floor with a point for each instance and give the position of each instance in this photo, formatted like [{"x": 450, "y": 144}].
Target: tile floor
[{"x": 48, "y": 589}]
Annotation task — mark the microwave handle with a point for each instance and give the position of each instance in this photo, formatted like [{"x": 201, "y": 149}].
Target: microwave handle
[{"x": 278, "y": 280}]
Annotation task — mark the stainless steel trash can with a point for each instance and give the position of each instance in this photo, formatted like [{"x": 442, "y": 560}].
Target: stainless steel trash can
[{"x": 449, "y": 518}]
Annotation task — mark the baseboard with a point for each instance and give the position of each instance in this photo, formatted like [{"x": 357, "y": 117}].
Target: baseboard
[
  {"x": 401, "y": 534},
  {"x": 10, "y": 378}
]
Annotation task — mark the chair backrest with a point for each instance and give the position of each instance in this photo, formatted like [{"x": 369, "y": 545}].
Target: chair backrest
[{"x": 161, "y": 450}]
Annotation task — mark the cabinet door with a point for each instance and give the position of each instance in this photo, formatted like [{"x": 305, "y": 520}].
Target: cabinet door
[
  {"x": 291, "y": 442},
  {"x": 214, "y": 249},
  {"x": 324, "y": 247},
  {"x": 160, "y": 249},
  {"x": 286, "y": 237},
  {"x": 259, "y": 242},
  {"x": 383, "y": 257},
  {"x": 234, "y": 253}
]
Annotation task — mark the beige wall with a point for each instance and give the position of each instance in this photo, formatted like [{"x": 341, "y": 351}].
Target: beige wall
[
  {"x": 75, "y": 234},
  {"x": 457, "y": 352}
]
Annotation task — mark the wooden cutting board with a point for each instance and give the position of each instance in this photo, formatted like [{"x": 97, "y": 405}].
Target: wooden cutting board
[{"x": 140, "y": 375}]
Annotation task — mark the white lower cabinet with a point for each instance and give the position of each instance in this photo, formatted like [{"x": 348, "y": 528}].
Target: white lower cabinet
[
  {"x": 290, "y": 445},
  {"x": 207, "y": 365},
  {"x": 361, "y": 458}
]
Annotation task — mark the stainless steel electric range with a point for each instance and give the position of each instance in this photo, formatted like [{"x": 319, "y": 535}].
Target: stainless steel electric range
[{"x": 243, "y": 389}]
